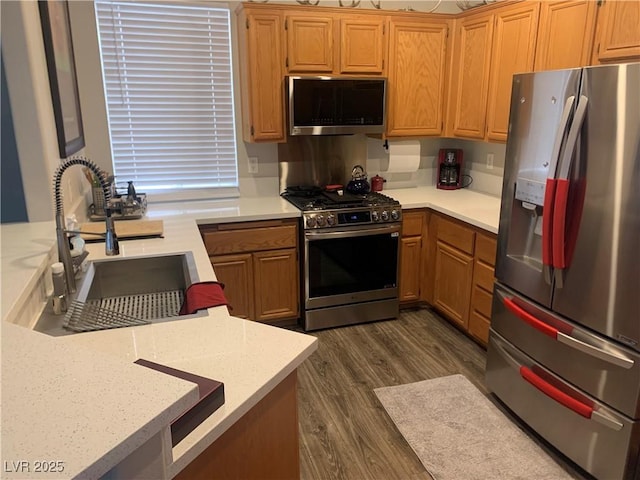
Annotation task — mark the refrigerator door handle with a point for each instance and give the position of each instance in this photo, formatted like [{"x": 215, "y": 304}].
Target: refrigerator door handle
[
  {"x": 567, "y": 400},
  {"x": 550, "y": 190},
  {"x": 591, "y": 350},
  {"x": 561, "y": 251},
  {"x": 618, "y": 360}
]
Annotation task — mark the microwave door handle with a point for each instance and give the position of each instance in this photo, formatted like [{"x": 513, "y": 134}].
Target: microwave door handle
[
  {"x": 562, "y": 249},
  {"x": 550, "y": 190}
]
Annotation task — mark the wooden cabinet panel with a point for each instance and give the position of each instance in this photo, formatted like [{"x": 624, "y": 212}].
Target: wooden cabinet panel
[
  {"x": 470, "y": 76},
  {"x": 276, "y": 284},
  {"x": 258, "y": 239},
  {"x": 412, "y": 223},
  {"x": 236, "y": 272},
  {"x": 362, "y": 44},
  {"x": 486, "y": 248},
  {"x": 310, "y": 43},
  {"x": 483, "y": 276},
  {"x": 263, "y": 443},
  {"x": 481, "y": 301},
  {"x": 565, "y": 34},
  {"x": 514, "y": 46},
  {"x": 410, "y": 274},
  {"x": 258, "y": 263},
  {"x": 618, "y": 36},
  {"x": 456, "y": 235},
  {"x": 452, "y": 291},
  {"x": 479, "y": 327},
  {"x": 416, "y": 77},
  {"x": 261, "y": 76}
]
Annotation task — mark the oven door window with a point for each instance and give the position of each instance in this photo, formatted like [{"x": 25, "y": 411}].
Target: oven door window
[{"x": 349, "y": 265}]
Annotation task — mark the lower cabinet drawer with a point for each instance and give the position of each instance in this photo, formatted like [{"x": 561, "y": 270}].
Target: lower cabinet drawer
[
  {"x": 223, "y": 242},
  {"x": 479, "y": 326},
  {"x": 483, "y": 275},
  {"x": 481, "y": 301}
]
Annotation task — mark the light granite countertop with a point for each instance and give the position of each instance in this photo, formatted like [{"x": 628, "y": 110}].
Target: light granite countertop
[{"x": 80, "y": 400}]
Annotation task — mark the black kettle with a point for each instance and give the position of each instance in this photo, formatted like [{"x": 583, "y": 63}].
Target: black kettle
[{"x": 358, "y": 183}]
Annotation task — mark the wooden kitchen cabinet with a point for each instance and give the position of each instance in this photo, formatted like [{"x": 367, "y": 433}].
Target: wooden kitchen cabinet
[
  {"x": 453, "y": 269},
  {"x": 335, "y": 43},
  {"x": 411, "y": 246},
  {"x": 565, "y": 34},
  {"x": 470, "y": 76},
  {"x": 261, "y": 75},
  {"x": 310, "y": 46},
  {"x": 618, "y": 32},
  {"x": 482, "y": 290},
  {"x": 513, "y": 51},
  {"x": 491, "y": 45},
  {"x": 258, "y": 263},
  {"x": 362, "y": 44},
  {"x": 236, "y": 272},
  {"x": 276, "y": 292},
  {"x": 461, "y": 266},
  {"x": 418, "y": 50}
]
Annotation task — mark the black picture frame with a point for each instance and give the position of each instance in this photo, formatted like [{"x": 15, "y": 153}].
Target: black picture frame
[{"x": 58, "y": 46}]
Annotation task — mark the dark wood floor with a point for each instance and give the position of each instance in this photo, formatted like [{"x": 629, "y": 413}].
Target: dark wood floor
[{"x": 344, "y": 431}]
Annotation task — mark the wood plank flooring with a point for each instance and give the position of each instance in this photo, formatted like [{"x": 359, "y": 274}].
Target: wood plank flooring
[{"x": 345, "y": 432}]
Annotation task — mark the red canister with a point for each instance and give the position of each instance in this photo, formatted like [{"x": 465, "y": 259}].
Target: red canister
[{"x": 376, "y": 183}]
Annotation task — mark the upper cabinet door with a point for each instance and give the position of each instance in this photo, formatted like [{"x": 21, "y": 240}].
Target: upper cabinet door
[
  {"x": 470, "y": 76},
  {"x": 262, "y": 74},
  {"x": 310, "y": 43},
  {"x": 362, "y": 44},
  {"x": 514, "y": 46},
  {"x": 565, "y": 34},
  {"x": 618, "y": 36},
  {"x": 416, "y": 77}
]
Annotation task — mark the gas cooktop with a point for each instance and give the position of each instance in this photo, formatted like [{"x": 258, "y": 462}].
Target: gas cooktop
[
  {"x": 309, "y": 198},
  {"x": 325, "y": 209}
]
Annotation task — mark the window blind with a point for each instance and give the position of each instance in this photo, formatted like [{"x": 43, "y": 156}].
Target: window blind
[{"x": 169, "y": 91}]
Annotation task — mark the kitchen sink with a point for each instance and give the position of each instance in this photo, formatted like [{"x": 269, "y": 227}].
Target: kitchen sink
[{"x": 117, "y": 292}]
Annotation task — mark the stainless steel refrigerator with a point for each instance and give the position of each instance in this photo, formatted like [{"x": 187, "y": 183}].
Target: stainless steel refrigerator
[{"x": 564, "y": 346}]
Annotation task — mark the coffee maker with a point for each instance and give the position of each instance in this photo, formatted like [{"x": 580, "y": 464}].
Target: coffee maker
[{"x": 449, "y": 169}]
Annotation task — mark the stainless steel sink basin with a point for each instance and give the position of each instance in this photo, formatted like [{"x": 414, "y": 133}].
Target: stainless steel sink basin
[{"x": 117, "y": 292}]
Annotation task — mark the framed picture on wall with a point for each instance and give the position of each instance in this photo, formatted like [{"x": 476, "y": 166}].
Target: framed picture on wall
[{"x": 56, "y": 31}]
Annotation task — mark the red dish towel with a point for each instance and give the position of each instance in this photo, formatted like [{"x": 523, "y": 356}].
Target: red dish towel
[{"x": 203, "y": 295}]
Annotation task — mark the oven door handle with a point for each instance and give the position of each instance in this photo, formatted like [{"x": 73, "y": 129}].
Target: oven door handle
[{"x": 381, "y": 230}]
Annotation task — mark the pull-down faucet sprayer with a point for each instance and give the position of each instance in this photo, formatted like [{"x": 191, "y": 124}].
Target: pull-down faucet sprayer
[{"x": 111, "y": 239}]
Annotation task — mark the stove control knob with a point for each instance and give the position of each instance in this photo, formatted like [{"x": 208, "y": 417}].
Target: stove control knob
[
  {"x": 320, "y": 220},
  {"x": 375, "y": 216},
  {"x": 311, "y": 222},
  {"x": 395, "y": 215},
  {"x": 385, "y": 216},
  {"x": 331, "y": 220}
]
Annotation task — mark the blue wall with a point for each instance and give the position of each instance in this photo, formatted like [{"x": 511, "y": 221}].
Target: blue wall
[{"x": 12, "y": 203}]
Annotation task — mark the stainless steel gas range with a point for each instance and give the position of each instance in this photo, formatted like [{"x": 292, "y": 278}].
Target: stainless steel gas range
[{"x": 350, "y": 263}]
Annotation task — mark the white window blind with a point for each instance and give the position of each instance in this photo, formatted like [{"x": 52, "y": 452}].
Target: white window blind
[{"x": 169, "y": 91}]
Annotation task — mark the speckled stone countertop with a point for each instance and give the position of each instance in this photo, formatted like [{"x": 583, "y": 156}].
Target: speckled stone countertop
[{"x": 80, "y": 399}]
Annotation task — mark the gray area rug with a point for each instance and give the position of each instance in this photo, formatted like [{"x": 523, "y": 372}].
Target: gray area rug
[{"x": 459, "y": 434}]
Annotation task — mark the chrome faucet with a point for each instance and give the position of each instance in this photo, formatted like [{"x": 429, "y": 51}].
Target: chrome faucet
[{"x": 111, "y": 239}]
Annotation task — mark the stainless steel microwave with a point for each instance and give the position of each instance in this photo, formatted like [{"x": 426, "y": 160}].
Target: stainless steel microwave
[{"x": 320, "y": 105}]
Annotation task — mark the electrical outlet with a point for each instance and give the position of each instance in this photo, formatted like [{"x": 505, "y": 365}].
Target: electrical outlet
[
  {"x": 489, "y": 161},
  {"x": 253, "y": 164}
]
